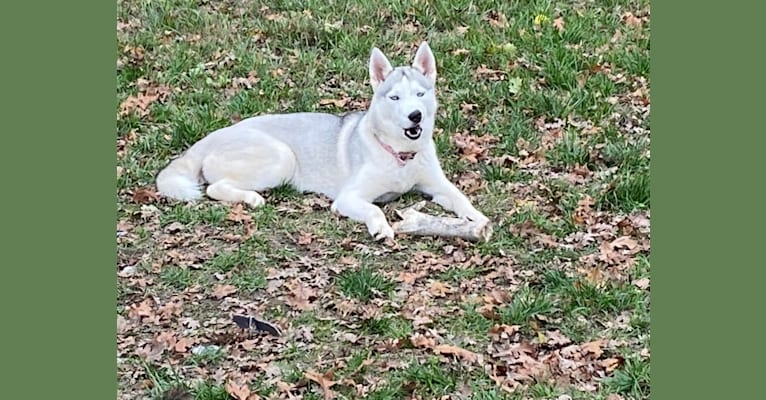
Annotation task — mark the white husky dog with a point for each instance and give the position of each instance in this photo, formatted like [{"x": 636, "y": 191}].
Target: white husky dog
[{"x": 356, "y": 159}]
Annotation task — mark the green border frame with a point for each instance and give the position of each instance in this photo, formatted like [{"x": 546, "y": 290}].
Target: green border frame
[
  {"x": 57, "y": 289},
  {"x": 58, "y": 286},
  {"x": 705, "y": 176}
]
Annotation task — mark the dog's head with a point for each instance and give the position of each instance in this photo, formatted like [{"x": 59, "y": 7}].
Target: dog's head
[{"x": 404, "y": 100}]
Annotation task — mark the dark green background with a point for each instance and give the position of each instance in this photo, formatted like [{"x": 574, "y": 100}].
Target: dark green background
[
  {"x": 58, "y": 210},
  {"x": 707, "y": 210},
  {"x": 57, "y": 279}
]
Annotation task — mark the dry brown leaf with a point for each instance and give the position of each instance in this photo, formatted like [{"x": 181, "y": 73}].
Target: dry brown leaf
[
  {"x": 239, "y": 391},
  {"x": 556, "y": 339},
  {"x": 122, "y": 324},
  {"x": 221, "y": 291},
  {"x": 325, "y": 382},
  {"x": 145, "y": 195},
  {"x": 183, "y": 344},
  {"x": 473, "y": 147},
  {"x": 305, "y": 238},
  {"x": 144, "y": 309},
  {"x": 151, "y": 352},
  {"x": 504, "y": 329},
  {"x": 466, "y": 355},
  {"x": 420, "y": 340},
  {"x": 340, "y": 103},
  {"x": 497, "y": 296},
  {"x": 440, "y": 289},
  {"x": 148, "y": 94},
  {"x": 301, "y": 295},
  {"x": 624, "y": 242},
  {"x": 239, "y": 213},
  {"x": 410, "y": 277},
  {"x": 632, "y": 20},
  {"x": 492, "y": 74},
  {"x": 642, "y": 283},
  {"x": 610, "y": 364},
  {"x": 497, "y": 19},
  {"x": 594, "y": 347}
]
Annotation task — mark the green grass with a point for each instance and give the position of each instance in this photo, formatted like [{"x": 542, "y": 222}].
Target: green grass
[
  {"x": 568, "y": 112},
  {"x": 631, "y": 380},
  {"x": 430, "y": 378},
  {"x": 364, "y": 284}
]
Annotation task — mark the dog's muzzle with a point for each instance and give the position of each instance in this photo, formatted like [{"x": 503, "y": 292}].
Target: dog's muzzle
[{"x": 413, "y": 133}]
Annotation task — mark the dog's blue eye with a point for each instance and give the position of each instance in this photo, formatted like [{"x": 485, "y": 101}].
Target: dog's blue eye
[
  {"x": 394, "y": 97},
  {"x": 421, "y": 94}
]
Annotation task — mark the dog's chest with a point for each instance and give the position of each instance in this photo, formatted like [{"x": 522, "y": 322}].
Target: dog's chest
[{"x": 397, "y": 180}]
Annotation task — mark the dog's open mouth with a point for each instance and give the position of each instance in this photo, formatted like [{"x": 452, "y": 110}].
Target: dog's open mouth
[{"x": 413, "y": 133}]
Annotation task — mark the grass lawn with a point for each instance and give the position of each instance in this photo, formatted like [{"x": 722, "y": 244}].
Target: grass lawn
[{"x": 543, "y": 123}]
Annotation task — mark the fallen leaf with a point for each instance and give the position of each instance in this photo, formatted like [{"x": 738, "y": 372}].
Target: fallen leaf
[
  {"x": 466, "y": 355},
  {"x": 221, "y": 291},
  {"x": 491, "y": 74},
  {"x": 624, "y": 242},
  {"x": 144, "y": 196},
  {"x": 440, "y": 289},
  {"x": 558, "y": 23},
  {"x": 632, "y": 20},
  {"x": 325, "y": 382},
  {"x": 557, "y": 339},
  {"x": 183, "y": 344},
  {"x": 504, "y": 329},
  {"x": 238, "y": 213},
  {"x": 144, "y": 309},
  {"x": 420, "y": 340},
  {"x": 239, "y": 391},
  {"x": 642, "y": 283},
  {"x": 410, "y": 277},
  {"x": 610, "y": 364},
  {"x": 497, "y": 296},
  {"x": 340, "y": 103},
  {"x": 497, "y": 19},
  {"x": 122, "y": 324},
  {"x": 594, "y": 347},
  {"x": 305, "y": 238},
  {"x": 474, "y": 147},
  {"x": 301, "y": 295}
]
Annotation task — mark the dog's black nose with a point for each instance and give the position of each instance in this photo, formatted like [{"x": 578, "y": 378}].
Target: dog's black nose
[{"x": 415, "y": 116}]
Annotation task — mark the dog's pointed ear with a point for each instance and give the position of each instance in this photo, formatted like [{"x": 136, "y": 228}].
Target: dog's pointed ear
[
  {"x": 425, "y": 62},
  {"x": 379, "y": 68}
]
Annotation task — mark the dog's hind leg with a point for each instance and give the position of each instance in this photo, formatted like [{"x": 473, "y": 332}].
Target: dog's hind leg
[
  {"x": 239, "y": 174},
  {"x": 227, "y": 190}
]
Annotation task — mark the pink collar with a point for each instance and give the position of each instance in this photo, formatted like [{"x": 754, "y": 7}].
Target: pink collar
[{"x": 401, "y": 158}]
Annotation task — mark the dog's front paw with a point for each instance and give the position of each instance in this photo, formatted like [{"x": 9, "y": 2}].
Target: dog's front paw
[
  {"x": 380, "y": 229},
  {"x": 484, "y": 222},
  {"x": 477, "y": 217}
]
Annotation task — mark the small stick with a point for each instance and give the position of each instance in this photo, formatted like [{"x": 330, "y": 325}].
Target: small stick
[{"x": 415, "y": 222}]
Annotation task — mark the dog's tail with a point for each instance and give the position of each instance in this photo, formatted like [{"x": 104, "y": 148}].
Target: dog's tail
[{"x": 181, "y": 178}]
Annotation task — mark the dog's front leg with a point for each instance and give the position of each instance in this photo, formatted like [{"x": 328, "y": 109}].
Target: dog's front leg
[{"x": 353, "y": 206}]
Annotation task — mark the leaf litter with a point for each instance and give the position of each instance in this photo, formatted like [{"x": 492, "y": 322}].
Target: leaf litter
[{"x": 162, "y": 325}]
